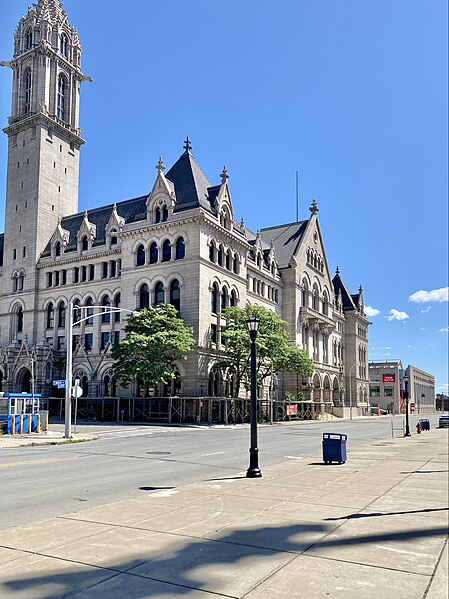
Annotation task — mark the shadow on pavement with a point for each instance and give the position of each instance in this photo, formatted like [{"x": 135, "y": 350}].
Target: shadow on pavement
[
  {"x": 180, "y": 569},
  {"x": 354, "y": 516}
]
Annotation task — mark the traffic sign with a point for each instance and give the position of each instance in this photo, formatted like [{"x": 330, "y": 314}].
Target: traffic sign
[
  {"x": 77, "y": 391},
  {"x": 59, "y": 384}
]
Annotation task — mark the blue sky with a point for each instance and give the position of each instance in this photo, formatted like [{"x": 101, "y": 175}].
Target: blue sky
[{"x": 352, "y": 94}]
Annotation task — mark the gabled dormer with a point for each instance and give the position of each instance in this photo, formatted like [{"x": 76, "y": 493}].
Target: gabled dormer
[
  {"x": 59, "y": 241},
  {"x": 114, "y": 228},
  {"x": 223, "y": 204},
  {"x": 162, "y": 199},
  {"x": 86, "y": 234},
  {"x": 271, "y": 259}
]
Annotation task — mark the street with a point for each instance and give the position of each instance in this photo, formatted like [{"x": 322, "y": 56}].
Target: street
[{"x": 129, "y": 461}]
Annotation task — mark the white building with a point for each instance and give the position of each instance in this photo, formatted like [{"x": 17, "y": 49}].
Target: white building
[{"x": 179, "y": 242}]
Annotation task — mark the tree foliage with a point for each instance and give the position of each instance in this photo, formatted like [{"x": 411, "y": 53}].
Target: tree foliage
[
  {"x": 155, "y": 338},
  {"x": 274, "y": 350}
]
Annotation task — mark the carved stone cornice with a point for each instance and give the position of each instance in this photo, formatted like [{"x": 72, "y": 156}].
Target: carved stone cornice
[
  {"x": 39, "y": 118},
  {"x": 52, "y": 262},
  {"x": 153, "y": 227}
]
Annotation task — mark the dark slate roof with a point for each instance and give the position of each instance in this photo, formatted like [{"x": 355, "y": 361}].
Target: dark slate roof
[
  {"x": 2, "y": 245},
  {"x": 131, "y": 210},
  {"x": 347, "y": 298},
  {"x": 192, "y": 187},
  {"x": 286, "y": 239}
]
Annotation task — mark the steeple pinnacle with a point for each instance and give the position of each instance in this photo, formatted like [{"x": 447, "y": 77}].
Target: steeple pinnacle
[
  {"x": 314, "y": 207},
  {"x": 187, "y": 145},
  {"x": 224, "y": 175},
  {"x": 160, "y": 166}
]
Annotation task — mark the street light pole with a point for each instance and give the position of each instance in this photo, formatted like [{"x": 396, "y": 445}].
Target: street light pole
[
  {"x": 68, "y": 375},
  {"x": 253, "y": 470},
  {"x": 407, "y": 422},
  {"x": 350, "y": 391}
]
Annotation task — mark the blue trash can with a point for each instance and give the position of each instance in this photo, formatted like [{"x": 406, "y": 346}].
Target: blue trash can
[
  {"x": 425, "y": 424},
  {"x": 334, "y": 448}
]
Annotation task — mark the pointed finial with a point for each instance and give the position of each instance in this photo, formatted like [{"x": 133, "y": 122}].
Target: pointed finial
[
  {"x": 242, "y": 223},
  {"x": 314, "y": 207},
  {"x": 160, "y": 166},
  {"x": 360, "y": 289},
  {"x": 114, "y": 207},
  {"x": 224, "y": 175},
  {"x": 187, "y": 145},
  {"x": 337, "y": 271},
  {"x": 85, "y": 214}
]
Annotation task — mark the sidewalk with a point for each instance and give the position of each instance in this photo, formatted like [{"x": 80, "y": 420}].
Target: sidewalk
[
  {"x": 46, "y": 438},
  {"x": 373, "y": 527}
]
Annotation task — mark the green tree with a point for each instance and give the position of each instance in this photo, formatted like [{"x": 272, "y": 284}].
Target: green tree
[
  {"x": 274, "y": 351},
  {"x": 155, "y": 338}
]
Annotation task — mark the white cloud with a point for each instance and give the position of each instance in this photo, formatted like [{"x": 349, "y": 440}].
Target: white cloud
[
  {"x": 436, "y": 295},
  {"x": 426, "y": 310},
  {"x": 446, "y": 330},
  {"x": 422, "y": 328},
  {"x": 444, "y": 386},
  {"x": 371, "y": 311},
  {"x": 397, "y": 315}
]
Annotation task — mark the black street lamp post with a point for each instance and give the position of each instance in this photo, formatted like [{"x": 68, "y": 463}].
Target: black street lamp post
[
  {"x": 253, "y": 470},
  {"x": 407, "y": 422}
]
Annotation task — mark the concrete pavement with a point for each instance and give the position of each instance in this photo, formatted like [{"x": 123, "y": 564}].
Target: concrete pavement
[{"x": 373, "y": 527}]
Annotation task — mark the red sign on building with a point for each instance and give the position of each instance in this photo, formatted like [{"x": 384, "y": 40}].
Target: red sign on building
[{"x": 388, "y": 378}]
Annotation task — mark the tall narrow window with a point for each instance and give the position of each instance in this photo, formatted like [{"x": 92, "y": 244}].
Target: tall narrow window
[
  {"x": 220, "y": 255},
  {"x": 228, "y": 260},
  {"x": 212, "y": 251},
  {"x": 61, "y": 315},
  {"x": 57, "y": 249},
  {"x": 159, "y": 294},
  {"x": 50, "y": 316},
  {"x": 180, "y": 248},
  {"x": 114, "y": 238},
  {"x": 76, "y": 312},
  {"x": 61, "y": 97},
  {"x": 89, "y": 311},
  {"x": 63, "y": 45},
  {"x": 140, "y": 256},
  {"x": 19, "y": 320},
  {"x": 154, "y": 253},
  {"x": 157, "y": 215},
  {"x": 117, "y": 300},
  {"x": 175, "y": 294},
  {"x": 224, "y": 298},
  {"x": 28, "y": 39},
  {"x": 164, "y": 213},
  {"x": 214, "y": 299},
  {"x": 166, "y": 251},
  {"x": 106, "y": 313},
  {"x": 233, "y": 299},
  {"x": 84, "y": 243},
  {"x": 27, "y": 105},
  {"x": 144, "y": 296}
]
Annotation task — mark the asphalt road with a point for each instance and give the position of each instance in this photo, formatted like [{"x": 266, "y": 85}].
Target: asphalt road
[{"x": 39, "y": 482}]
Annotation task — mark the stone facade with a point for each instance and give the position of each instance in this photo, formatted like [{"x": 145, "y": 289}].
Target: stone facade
[{"x": 179, "y": 243}]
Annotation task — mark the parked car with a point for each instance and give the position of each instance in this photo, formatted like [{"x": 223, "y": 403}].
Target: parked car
[{"x": 443, "y": 421}]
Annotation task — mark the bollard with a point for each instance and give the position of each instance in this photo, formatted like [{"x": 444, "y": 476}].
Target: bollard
[
  {"x": 30, "y": 417},
  {"x": 46, "y": 422},
  {"x": 20, "y": 424},
  {"x": 13, "y": 424},
  {"x": 418, "y": 428},
  {"x": 38, "y": 427}
]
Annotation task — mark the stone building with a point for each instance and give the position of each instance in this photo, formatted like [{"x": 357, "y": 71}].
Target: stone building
[{"x": 179, "y": 242}]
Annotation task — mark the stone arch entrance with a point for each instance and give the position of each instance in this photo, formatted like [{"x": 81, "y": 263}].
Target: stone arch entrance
[{"x": 23, "y": 381}]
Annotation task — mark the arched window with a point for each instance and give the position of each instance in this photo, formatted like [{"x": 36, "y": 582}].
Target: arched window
[
  {"x": 19, "y": 320},
  {"x": 50, "y": 316},
  {"x": 175, "y": 294},
  {"x": 89, "y": 311},
  {"x": 144, "y": 296},
  {"x": 228, "y": 260},
  {"x": 27, "y": 90},
  {"x": 15, "y": 282},
  {"x": 84, "y": 243},
  {"x": 180, "y": 248},
  {"x": 29, "y": 39},
  {"x": 304, "y": 293},
  {"x": 325, "y": 303},
  {"x": 140, "y": 255},
  {"x": 214, "y": 299},
  {"x": 106, "y": 312},
  {"x": 159, "y": 294},
  {"x": 236, "y": 265},
  {"x": 20, "y": 281},
  {"x": 212, "y": 251},
  {"x": 117, "y": 300},
  {"x": 154, "y": 253},
  {"x": 114, "y": 239},
  {"x": 166, "y": 251},
  {"x": 64, "y": 45},
  {"x": 57, "y": 248},
  {"x": 224, "y": 298},
  {"x": 61, "y": 315},
  {"x": 233, "y": 299},
  {"x": 220, "y": 255},
  {"x": 157, "y": 215},
  {"x": 164, "y": 213},
  {"x": 315, "y": 297},
  {"x": 76, "y": 314},
  {"x": 61, "y": 97}
]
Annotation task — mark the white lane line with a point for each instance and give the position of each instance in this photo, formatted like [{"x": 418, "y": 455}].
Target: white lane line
[
  {"x": 215, "y": 453},
  {"x": 292, "y": 457}
]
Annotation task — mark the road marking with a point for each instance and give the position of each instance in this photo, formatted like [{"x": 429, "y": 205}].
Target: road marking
[
  {"x": 215, "y": 453},
  {"x": 293, "y": 457},
  {"x": 35, "y": 462}
]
